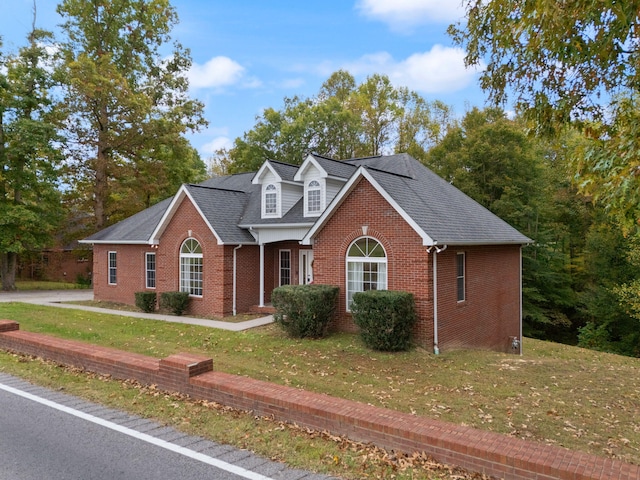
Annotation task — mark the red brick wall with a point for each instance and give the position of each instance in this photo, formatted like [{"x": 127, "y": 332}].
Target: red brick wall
[
  {"x": 490, "y": 314},
  {"x": 408, "y": 265},
  {"x": 486, "y": 319},
  {"x": 217, "y": 298},
  {"x": 476, "y": 450}
]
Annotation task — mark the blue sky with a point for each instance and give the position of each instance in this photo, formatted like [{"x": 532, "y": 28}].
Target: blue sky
[{"x": 251, "y": 54}]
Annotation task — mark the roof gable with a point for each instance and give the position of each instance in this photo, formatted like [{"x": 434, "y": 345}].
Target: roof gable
[
  {"x": 220, "y": 209},
  {"x": 436, "y": 210}
]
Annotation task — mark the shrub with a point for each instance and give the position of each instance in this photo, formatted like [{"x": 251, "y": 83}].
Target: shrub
[
  {"x": 385, "y": 317},
  {"x": 146, "y": 301},
  {"x": 175, "y": 302},
  {"x": 304, "y": 310}
]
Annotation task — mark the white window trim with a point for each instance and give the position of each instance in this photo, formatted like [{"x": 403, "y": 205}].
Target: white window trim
[
  {"x": 321, "y": 189},
  {"x": 278, "y": 195},
  {"x": 280, "y": 269},
  {"x": 188, "y": 256},
  {"x": 147, "y": 270},
  {"x": 463, "y": 277},
  {"x": 381, "y": 260},
  {"x": 114, "y": 267}
]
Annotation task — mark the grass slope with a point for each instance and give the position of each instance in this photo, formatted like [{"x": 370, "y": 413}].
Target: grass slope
[{"x": 555, "y": 394}]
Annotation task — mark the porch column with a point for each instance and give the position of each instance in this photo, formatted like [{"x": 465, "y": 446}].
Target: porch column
[{"x": 261, "y": 304}]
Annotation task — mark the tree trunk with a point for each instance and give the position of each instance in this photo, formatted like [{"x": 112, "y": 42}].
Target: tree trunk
[
  {"x": 8, "y": 263},
  {"x": 101, "y": 188}
]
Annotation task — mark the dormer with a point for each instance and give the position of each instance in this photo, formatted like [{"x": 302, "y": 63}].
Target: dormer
[
  {"x": 321, "y": 183},
  {"x": 278, "y": 190}
]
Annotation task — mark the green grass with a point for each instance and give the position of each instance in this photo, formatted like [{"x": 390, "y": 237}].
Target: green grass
[
  {"x": 42, "y": 285},
  {"x": 554, "y": 394}
]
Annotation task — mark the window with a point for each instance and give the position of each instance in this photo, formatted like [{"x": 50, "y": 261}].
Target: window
[
  {"x": 191, "y": 267},
  {"x": 112, "y": 268},
  {"x": 314, "y": 195},
  {"x": 366, "y": 267},
  {"x": 271, "y": 200},
  {"x": 285, "y": 267},
  {"x": 460, "y": 271},
  {"x": 150, "y": 269}
]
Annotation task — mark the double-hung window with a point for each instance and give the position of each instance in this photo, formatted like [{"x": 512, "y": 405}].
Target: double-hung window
[
  {"x": 191, "y": 267},
  {"x": 285, "y": 267},
  {"x": 366, "y": 267},
  {"x": 113, "y": 267},
  {"x": 271, "y": 200},
  {"x": 460, "y": 274},
  {"x": 314, "y": 197},
  {"x": 150, "y": 269}
]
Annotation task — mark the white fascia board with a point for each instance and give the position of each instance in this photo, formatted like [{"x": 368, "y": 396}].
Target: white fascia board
[
  {"x": 115, "y": 242},
  {"x": 298, "y": 177},
  {"x": 257, "y": 178},
  {"x": 344, "y": 192},
  {"x": 263, "y": 226},
  {"x": 170, "y": 212}
]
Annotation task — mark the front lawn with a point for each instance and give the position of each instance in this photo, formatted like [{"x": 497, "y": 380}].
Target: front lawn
[{"x": 554, "y": 393}]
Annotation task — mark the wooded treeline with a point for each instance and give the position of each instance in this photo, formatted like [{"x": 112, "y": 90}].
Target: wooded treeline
[{"x": 93, "y": 124}]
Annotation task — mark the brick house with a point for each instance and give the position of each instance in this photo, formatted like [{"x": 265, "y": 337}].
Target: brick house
[{"x": 384, "y": 222}]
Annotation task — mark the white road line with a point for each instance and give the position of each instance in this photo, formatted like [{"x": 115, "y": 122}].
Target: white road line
[{"x": 242, "y": 472}]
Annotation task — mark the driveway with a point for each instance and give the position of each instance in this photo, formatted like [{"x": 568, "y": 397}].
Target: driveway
[
  {"x": 43, "y": 297},
  {"x": 58, "y": 298}
]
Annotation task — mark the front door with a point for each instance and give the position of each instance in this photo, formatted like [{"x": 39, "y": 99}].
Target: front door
[{"x": 306, "y": 267}]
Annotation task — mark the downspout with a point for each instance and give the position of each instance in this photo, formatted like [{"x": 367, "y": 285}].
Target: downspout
[
  {"x": 261, "y": 303},
  {"x": 235, "y": 281},
  {"x": 521, "y": 300},
  {"x": 436, "y": 349}
]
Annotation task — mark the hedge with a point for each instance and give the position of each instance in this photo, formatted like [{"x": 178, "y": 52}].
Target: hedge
[
  {"x": 304, "y": 310},
  {"x": 146, "y": 301},
  {"x": 385, "y": 317}
]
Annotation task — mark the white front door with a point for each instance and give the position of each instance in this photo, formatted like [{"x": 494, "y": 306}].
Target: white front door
[{"x": 306, "y": 267}]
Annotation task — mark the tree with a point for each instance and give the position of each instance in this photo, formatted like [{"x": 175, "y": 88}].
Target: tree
[
  {"x": 29, "y": 200},
  {"x": 575, "y": 61},
  {"x": 126, "y": 102},
  {"x": 493, "y": 160},
  {"x": 343, "y": 121}
]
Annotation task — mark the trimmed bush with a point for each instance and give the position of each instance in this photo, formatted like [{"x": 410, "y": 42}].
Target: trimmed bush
[
  {"x": 175, "y": 302},
  {"x": 304, "y": 310},
  {"x": 146, "y": 301},
  {"x": 385, "y": 317}
]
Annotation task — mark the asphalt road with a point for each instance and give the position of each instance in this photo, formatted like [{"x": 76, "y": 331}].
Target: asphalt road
[{"x": 53, "y": 436}]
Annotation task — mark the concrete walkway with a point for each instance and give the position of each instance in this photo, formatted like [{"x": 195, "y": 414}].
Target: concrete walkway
[{"x": 56, "y": 298}]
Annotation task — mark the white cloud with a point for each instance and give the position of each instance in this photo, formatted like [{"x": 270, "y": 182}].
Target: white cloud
[
  {"x": 400, "y": 14},
  {"x": 439, "y": 70},
  {"x": 214, "y": 145},
  {"x": 217, "y": 72}
]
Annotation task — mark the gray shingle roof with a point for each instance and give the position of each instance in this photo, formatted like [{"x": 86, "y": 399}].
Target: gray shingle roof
[
  {"x": 335, "y": 168},
  {"x": 223, "y": 210},
  {"x": 135, "y": 229},
  {"x": 443, "y": 212}
]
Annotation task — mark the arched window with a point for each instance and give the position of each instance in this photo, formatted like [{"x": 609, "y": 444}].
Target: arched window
[
  {"x": 271, "y": 200},
  {"x": 314, "y": 197},
  {"x": 191, "y": 267},
  {"x": 366, "y": 267}
]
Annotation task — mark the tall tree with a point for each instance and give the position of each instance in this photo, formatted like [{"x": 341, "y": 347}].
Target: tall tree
[
  {"x": 344, "y": 120},
  {"x": 568, "y": 61},
  {"x": 29, "y": 199},
  {"x": 492, "y": 159},
  {"x": 126, "y": 100}
]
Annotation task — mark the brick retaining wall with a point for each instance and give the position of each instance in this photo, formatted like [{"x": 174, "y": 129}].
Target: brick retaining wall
[{"x": 475, "y": 450}]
